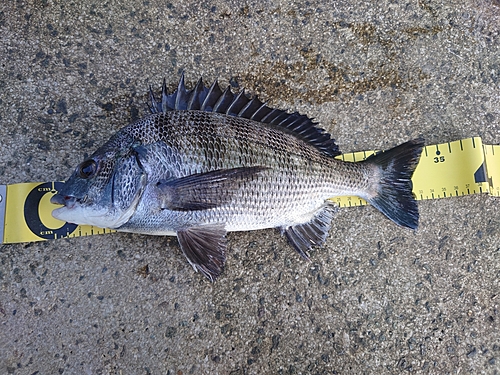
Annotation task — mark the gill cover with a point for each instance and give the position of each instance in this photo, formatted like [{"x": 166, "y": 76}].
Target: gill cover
[{"x": 105, "y": 189}]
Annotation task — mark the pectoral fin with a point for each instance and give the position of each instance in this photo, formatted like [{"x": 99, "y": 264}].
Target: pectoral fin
[
  {"x": 201, "y": 191},
  {"x": 313, "y": 233},
  {"x": 204, "y": 248}
]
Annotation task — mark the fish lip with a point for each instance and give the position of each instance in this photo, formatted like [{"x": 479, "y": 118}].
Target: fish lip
[{"x": 64, "y": 200}]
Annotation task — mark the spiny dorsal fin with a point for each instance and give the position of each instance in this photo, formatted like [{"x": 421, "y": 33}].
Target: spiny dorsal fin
[{"x": 213, "y": 99}]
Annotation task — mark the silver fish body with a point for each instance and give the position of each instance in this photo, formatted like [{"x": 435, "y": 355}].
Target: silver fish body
[{"x": 197, "y": 170}]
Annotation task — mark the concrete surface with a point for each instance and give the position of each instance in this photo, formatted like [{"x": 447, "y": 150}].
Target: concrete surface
[{"x": 376, "y": 300}]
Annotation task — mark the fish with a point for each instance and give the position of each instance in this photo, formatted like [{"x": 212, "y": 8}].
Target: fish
[{"x": 208, "y": 161}]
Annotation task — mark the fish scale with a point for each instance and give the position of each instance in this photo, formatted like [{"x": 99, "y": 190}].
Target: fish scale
[{"x": 207, "y": 162}]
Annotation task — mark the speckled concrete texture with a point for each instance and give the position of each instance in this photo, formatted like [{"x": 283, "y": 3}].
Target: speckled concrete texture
[{"x": 377, "y": 299}]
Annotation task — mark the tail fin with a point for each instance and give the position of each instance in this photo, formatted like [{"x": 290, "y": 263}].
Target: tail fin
[{"x": 395, "y": 199}]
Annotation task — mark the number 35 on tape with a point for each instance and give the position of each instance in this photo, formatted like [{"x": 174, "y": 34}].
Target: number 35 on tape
[
  {"x": 457, "y": 168},
  {"x": 445, "y": 170}
]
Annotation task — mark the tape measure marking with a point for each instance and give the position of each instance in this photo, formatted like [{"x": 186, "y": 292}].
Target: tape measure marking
[
  {"x": 28, "y": 215},
  {"x": 492, "y": 162},
  {"x": 33, "y": 218},
  {"x": 3, "y": 199}
]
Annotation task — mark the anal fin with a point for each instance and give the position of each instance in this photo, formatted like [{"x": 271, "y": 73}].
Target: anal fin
[
  {"x": 313, "y": 233},
  {"x": 205, "y": 248}
]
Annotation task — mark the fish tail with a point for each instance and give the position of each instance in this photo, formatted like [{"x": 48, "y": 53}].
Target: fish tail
[{"x": 394, "y": 196}]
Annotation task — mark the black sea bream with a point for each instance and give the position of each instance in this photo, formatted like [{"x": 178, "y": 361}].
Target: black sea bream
[{"x": 207, "y": 162}]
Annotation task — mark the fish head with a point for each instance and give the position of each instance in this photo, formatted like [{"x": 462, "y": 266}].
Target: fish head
[{"x": 105, "y": 188}]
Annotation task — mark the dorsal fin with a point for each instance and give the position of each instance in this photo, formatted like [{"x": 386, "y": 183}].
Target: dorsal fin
[{"x": 213, "y": 99}]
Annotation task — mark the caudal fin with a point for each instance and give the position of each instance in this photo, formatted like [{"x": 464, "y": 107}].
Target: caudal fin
[{"x": 395, "y": 199}]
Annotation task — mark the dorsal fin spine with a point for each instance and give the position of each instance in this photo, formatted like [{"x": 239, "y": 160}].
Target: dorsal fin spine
[
  {"x": 261, "y": 108},
  {"x": 153, "y": 106},
  {"x": 214, "y": 88},
  {"x": 224, "y": 101},
  {"x": 204, "y": 104},
  {"x": 237, "y": 101},
  {"x": 293, "y": 121},
  {"x": 181, "y": 94},
  {"x": 196, "y": 96},
  {"x": 269, "y": 118},
  {"x": 247, "y": 106},
  {"x": 164, "y": 96}
]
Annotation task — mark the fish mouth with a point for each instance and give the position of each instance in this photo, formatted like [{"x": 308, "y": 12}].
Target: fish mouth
[
  {"x": 71, "y": 210},
  {"x": 64, "y": 200}
]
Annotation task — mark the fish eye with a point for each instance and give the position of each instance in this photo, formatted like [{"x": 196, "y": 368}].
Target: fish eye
[{"x": 87, "y": 169}]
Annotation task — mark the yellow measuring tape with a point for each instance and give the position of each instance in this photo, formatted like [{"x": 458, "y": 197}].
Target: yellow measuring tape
[{"x": 450, "y": 169}]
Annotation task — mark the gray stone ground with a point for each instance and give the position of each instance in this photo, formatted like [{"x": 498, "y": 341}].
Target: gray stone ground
[{"x": 376, "y": 299}]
